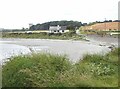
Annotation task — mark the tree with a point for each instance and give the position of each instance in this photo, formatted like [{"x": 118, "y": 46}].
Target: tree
[{"x": 45, "y": 26}]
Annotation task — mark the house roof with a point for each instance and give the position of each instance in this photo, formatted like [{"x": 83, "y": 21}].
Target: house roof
[{"x": 57, "y": 27}]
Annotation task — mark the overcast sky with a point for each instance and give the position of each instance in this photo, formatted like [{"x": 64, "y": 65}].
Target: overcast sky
[{"x": 19, "y": 13}]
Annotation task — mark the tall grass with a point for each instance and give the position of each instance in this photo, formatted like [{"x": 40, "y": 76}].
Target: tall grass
[
  {"x": 36, "y": 70},
  {"x": 46, "y": 70}
]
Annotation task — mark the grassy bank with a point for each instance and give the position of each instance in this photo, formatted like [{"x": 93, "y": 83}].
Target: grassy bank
[
  {"x": 43, "y": 35},
  {"x": 46, "y": 70}
]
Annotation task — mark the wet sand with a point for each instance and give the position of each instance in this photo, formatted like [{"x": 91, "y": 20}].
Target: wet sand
[
  {"x": 107, "y": 39},
  {"x": 73, "y": 49}
]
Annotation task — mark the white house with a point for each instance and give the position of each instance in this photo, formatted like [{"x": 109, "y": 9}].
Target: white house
[{"x": 58, "y": 29}]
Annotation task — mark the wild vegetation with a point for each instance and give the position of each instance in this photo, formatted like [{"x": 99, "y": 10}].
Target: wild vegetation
[
  {"x": 43, "y": 35},
  {"x": 48, "y": 70}
]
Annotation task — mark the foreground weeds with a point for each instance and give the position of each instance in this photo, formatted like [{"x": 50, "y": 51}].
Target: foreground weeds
[{"x": 46, "y": 70}]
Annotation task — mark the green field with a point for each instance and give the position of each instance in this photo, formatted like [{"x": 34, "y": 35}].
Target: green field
[{"x": 47, "y": 70}]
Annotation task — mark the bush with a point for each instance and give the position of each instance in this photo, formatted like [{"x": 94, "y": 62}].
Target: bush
[
  {"x": 43, "y": 33},
  {"x": 70, "y": 34},
  {"x": 54, "y": 34}
]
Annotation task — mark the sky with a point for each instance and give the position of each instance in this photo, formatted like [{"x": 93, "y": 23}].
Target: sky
[{"x": 16, "y": 14}]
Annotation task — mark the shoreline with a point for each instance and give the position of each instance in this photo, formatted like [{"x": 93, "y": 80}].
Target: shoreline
[
  {"x": 50, "y": 45},
  {"x": 75, "y": 50}
]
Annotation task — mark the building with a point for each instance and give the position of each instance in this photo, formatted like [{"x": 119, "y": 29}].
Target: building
[
  {"x": 58, "y": 29},
  {"x": 106, "y": 26},
  {"x": 30, "y": 25}
]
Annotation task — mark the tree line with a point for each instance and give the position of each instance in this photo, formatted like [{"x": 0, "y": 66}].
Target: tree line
[
  {"x": 45, "y": 26},
  {"x": 70, "y": 24}
]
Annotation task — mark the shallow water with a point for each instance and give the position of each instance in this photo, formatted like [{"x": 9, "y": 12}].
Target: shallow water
[
  {"x": 9, "y": 50},
  {"x": 73, "y": 49}
]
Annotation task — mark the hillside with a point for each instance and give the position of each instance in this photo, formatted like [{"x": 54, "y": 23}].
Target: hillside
[{"x": 45, "y": 26}]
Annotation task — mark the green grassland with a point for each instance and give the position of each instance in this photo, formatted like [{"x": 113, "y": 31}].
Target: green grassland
[
  {"x": 48, "y": 70},
  {"x": 44, "y": 35}
]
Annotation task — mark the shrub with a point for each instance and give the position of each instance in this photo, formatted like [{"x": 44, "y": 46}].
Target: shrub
[
  {"x": 71, "y": 33},
  {"x": 43, "y": 33},
  {"x": 34, "y": 71}
]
